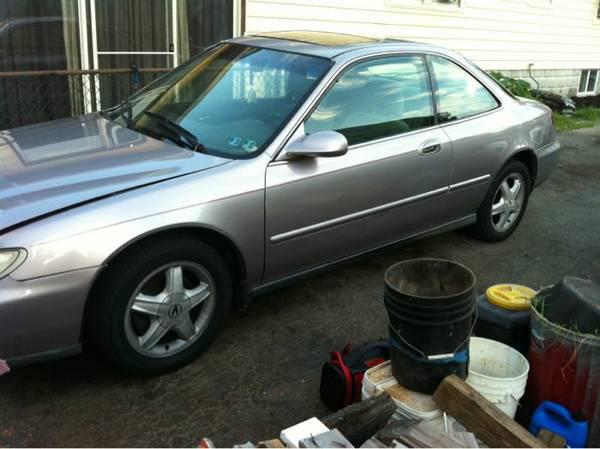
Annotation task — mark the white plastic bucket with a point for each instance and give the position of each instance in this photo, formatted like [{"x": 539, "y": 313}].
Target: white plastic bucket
[
  {"x": 378, "y": 375},
  {"x": 498, "y": 372},
  {"x": 410, "y": 404}
]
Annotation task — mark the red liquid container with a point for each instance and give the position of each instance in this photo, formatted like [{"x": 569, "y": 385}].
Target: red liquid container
[{"x": 565, "y": 368}]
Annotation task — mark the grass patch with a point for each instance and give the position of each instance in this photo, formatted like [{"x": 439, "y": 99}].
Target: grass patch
[{"x": 582, "y": 118}]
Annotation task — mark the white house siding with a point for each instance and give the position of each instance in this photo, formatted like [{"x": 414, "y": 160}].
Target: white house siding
[{"x": 559, "y": 37}]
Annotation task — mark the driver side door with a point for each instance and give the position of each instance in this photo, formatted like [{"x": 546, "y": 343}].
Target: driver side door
[{"x": 390, "y": 184}]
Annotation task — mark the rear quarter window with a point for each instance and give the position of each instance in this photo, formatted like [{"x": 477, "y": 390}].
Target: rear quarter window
[{"x": 459, "y": 94}]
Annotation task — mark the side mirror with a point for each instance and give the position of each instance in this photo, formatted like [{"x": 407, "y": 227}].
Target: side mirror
[{"x": 319, "y": 144}]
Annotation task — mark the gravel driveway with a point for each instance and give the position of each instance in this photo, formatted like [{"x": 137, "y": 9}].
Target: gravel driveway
[{"x": 263, "y": 372}]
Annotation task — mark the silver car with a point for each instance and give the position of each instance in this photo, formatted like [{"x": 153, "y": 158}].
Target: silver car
[{"x": 262, "y": 159}]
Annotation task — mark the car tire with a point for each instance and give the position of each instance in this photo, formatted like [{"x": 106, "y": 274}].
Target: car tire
[
  {"x": 180, "y": 288},
  {"x": 505, "y": 203}
]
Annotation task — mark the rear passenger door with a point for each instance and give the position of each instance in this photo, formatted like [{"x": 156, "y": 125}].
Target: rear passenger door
[{"x": 391, "y": 183}]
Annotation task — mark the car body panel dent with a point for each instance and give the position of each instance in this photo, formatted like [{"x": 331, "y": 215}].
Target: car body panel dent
[
  {"x": 232, "y": 208},
  {"x": 57, "y": 165}
]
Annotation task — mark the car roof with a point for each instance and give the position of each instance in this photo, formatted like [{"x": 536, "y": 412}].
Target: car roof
[{"x": 322, "y": 44}]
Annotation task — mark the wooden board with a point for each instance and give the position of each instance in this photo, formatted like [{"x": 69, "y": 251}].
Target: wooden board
[
  {"x": 480, "y": 416},
  {"x": 467, "y": 439},
  {"x": 551, "y": 439},
  {"x": 359, "y": 422},
  {"x": 276, "y": 443},
  {"x": 423, "y": 436},
  {"x": 394, "y": 429}
]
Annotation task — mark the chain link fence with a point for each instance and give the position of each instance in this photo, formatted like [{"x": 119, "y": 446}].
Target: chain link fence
[{"x": 33, "y": 97}]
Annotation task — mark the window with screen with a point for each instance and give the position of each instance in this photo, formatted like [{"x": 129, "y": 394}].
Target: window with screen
[
  {"x": 459, "y": 95},
  {"x": 588, "y": 82},
  {"x": 377, "y": 99}
]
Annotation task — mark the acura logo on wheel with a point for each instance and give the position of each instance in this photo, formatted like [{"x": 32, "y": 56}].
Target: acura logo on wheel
[{"x": 175, "y": 311}]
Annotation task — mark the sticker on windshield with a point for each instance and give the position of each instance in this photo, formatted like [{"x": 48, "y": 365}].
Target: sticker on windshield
[
  {"x": 249, "y": 145},
  {"x": 235, "y": 141}
]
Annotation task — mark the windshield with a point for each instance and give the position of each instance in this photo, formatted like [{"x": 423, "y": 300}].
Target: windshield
[{"x": 233, "y": 99}]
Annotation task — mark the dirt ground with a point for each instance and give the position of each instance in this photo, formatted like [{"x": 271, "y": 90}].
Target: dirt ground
[{"x": 263, "y": 372}]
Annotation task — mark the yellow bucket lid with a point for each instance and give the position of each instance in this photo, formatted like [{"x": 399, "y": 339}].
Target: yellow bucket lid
[{"x": 510, "y": 296}]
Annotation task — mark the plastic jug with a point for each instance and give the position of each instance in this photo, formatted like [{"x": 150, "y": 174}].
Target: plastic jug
[{"x": 556, "y": 418}]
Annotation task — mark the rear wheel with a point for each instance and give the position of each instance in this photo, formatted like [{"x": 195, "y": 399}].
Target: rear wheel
[
  {"x": 160, "y": 305},
  {"x": 505, "y": 203}
]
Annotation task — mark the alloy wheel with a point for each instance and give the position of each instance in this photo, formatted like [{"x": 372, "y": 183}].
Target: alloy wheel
[
  {"x": 170, "y": 309},
  {"x": 508, "y": 202}
]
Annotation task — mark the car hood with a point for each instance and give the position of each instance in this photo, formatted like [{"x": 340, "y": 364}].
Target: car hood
[{"x": 56, "y": 165}]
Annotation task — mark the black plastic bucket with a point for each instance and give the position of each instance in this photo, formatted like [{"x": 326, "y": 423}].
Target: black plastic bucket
[
  {"x": 423, "y": 375},
  {"x": 430, "y": 305}
]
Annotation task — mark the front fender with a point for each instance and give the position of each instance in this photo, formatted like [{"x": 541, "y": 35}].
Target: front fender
[{"x": 88, "y": 236}]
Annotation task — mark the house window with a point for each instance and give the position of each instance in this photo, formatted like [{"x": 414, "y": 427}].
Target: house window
[{"x": 588, "y": 82}]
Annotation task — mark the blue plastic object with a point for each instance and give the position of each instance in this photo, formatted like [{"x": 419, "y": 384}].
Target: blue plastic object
[{"x": 557, "y": 419}]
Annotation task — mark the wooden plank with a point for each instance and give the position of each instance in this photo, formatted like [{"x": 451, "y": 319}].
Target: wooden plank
[
  {"x": 394, "y": 429},
  {"x": 450, "y": 436},
  {"x": 478, "y": 415},
  {"x": 551, "y": 439},
  {"x": 275, "y": 443},
  {"x": 359, "y": 422},
  {"x": 423, "y": 436},
  {"x": 333, "y": 438},
  {"x": 467, "y": 439}
]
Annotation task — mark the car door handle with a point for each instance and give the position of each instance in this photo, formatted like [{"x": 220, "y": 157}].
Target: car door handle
[{"x": 430, "y": 147}]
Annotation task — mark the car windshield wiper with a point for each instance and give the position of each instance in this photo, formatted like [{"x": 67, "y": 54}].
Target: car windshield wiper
[
  {"x": 183, "y": 136},
  {"x": 127, "y": 112},
  {"x": 123, "y": 109}
]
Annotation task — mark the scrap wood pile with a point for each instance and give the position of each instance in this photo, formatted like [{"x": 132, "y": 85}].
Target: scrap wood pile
[{"x": 469, "y": 420}]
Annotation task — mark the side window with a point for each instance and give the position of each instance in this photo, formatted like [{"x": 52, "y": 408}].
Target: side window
[
  {"x": 459, "y": 94},
  {"x": 375, "y": 99}
]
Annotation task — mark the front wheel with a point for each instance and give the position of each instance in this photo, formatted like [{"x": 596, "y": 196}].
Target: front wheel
[
  {"x": 160, "y": 305},
  {"x": 505, "y": 203}
]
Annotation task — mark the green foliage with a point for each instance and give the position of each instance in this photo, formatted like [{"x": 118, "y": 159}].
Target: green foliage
[
  {"x": 518, "y": 88},
  {"x": 582, "y": 118}
]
